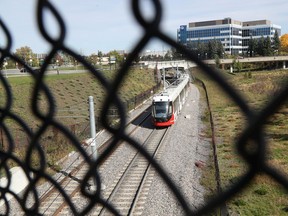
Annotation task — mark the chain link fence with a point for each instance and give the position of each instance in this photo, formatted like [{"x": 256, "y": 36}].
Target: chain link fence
[{"x": 32, "y": 139}]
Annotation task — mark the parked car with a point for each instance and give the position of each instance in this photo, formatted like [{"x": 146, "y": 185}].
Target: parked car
[{"x": 23, "y": 70}]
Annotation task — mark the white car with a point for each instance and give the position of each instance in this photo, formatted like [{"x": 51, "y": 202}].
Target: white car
[{"x": 23, "y": 70}]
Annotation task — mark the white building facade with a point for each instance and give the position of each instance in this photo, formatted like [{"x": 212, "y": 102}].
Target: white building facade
[{"x": 234, "y": 35}]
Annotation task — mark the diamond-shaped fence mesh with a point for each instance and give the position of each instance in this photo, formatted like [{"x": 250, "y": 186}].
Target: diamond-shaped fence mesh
[{"x": 31, "y": 140}]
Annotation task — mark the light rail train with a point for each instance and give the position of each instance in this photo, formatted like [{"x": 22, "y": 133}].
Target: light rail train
[{"x": 167, "y": 104}]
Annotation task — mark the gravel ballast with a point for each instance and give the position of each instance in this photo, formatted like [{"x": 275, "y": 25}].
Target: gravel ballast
[{"x": 183, "y": 149}]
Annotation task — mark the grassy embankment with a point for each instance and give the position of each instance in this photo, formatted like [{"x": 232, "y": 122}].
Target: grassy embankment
[
  {"x": 70, "y": 92},
  {"x": 263, "y": 196}
]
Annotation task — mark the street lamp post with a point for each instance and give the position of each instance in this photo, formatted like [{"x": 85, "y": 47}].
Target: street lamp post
[
  {"x": 57, "y": 66},
  {"x": 5, "y": 65},
  {"x": 92, "y": 128}
]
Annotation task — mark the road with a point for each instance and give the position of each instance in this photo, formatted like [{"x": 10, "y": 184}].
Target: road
[{"x": 17, "y": 73}]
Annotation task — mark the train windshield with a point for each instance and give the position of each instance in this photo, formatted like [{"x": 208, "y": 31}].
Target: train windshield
[{"x": 162, "y": 109}]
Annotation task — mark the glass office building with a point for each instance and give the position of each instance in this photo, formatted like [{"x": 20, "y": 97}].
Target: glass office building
[{"x": 234, "y": 35}]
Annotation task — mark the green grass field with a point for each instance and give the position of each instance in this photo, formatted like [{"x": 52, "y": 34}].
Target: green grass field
[
  {"x": 70, "y": 96},
  {"x": 263, "y": 196},
  {"x": 70, "y": 92}
]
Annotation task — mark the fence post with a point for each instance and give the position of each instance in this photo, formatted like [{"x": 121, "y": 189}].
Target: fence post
[
  {"x": 135, "y": 102},
  {"x": 92, "y": 127},
  {"x": 2, "y": 140}
]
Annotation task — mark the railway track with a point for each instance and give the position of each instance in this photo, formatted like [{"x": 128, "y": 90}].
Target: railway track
[
  {"x": 53, "y": 202},
  {"x": 128, "y": 194}
]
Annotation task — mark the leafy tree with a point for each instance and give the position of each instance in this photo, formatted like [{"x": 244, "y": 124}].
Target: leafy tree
[
  {"x": 252, "y": 46},
  {"x": 215, "y": 49},
  {"x": 276, "y": 44},
  {"x": 203, "y": 50},
  {"x": 176, "y": 54},
  {"x": 284, "y": 42},
  {"x": 63, "y": 58},
  {"x": 119, "y": 58},
  {"x": 212, "y": 49},
  {"x": 220, "y": 49},
  {"x": 260, "y": 46},
  {"x": 26, "y": 54},
  {"x": 93, "y": 59},
  {"x": 100, "y": 55},
  {"x": 58, "y": 59},
  {"x": 267, "y": 49},
  {"x": 217, "y": 61},
  {"x": 238, "y": 66},
  {"x": 234, "y": 62},
  {"x": 168, "y": 55}
]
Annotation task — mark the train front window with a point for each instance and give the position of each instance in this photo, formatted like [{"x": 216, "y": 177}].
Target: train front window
[{"x": 161, "y": 109}]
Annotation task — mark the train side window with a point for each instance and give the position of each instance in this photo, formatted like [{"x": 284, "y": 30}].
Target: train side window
[{"x": 170, "y": 109}]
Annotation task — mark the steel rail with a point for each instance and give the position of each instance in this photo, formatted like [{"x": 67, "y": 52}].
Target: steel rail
[
  {"x": 136, "y": 208},
  {"x": 102, "y": 148},
  {"x": 128, "y": 187},
  {"x": 143, "y": 117}
]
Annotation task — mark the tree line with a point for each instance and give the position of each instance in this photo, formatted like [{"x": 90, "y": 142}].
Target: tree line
[
  {"x": 264, "y": 46},
  {"x": 212, "y": 49},
  {"x": 35, "y": 60}
]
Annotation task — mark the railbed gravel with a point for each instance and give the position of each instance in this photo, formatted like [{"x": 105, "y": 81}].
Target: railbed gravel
[{"x": 183, "y": 147}]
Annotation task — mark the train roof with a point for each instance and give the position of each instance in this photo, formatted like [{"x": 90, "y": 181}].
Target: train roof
[{"x": 173, "y": 90}]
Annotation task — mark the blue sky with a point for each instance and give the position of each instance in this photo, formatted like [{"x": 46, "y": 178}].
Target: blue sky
[{"x": 107, "y": 25}]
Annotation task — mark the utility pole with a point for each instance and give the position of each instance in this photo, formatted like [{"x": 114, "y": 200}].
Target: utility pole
[
  {"x": 92, "y": 128},
  {"x": 164, "y": 81}
]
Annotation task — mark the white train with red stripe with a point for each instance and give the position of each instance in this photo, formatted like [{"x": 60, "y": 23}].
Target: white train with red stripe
[{"x": 167, "y": 104}]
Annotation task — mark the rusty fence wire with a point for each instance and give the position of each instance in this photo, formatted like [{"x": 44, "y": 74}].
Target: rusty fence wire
[{"x": 253, "y": 132}]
